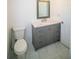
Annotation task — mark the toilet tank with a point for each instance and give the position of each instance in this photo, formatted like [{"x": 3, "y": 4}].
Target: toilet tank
[{"x": 19, "y": 32}]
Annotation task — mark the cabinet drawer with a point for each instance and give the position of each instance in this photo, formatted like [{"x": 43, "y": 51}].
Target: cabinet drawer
[
  {"x": 55, "y": 27},
  {"x": 42, "y": 30}
]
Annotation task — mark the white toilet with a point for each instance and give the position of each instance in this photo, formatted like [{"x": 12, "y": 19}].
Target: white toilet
[{"x": 20, "y": 46}]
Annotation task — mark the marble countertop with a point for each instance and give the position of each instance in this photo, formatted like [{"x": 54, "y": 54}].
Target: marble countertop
[{"x": 46, "y": 22}]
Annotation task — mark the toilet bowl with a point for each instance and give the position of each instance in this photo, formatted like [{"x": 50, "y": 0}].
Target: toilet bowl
[
  {"x": 20, "y": 46},
  {"x": 20, "y": 49}
]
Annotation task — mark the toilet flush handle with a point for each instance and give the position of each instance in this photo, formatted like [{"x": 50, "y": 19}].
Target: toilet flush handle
[{"x": 15, "y": 40}]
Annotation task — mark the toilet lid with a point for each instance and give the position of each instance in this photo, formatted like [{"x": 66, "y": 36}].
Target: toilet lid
[{"x": 20, "y": 46}]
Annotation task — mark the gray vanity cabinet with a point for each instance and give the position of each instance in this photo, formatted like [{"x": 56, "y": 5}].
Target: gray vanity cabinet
[{"x": 42, "y": 36}]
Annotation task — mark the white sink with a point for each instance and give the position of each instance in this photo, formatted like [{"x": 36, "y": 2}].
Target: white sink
[{"x": 45, "y": 22}]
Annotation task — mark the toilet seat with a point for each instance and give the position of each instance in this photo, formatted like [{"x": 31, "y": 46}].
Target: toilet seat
[{"x": 20, "y": 47}]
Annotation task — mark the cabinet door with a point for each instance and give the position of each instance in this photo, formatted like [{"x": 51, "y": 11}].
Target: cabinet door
[
  {"x": 54, "y": 33},
  {"x": 57, "y": 32},
  {"x": 34, "y": 38},
  {"x": 42, "y": 37}
]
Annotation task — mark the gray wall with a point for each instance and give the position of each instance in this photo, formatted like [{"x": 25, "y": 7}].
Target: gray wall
[{"x": 62, "y": 8}]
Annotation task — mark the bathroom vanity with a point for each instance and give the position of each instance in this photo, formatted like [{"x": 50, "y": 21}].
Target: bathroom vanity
[{"x": 45, "y": 32}]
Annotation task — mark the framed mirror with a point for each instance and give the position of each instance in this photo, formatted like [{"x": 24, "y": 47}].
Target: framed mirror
[{"x": 43, "y": 9}]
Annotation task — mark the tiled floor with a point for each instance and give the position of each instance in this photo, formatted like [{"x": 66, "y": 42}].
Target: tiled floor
[{"x": 53, "y": 51}]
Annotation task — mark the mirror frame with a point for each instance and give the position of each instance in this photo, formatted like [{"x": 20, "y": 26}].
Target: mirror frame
[{"x": 38, "y": 9}]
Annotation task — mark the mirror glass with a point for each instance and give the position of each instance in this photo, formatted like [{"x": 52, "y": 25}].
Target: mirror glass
[{"x": 43, "y": 9}]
